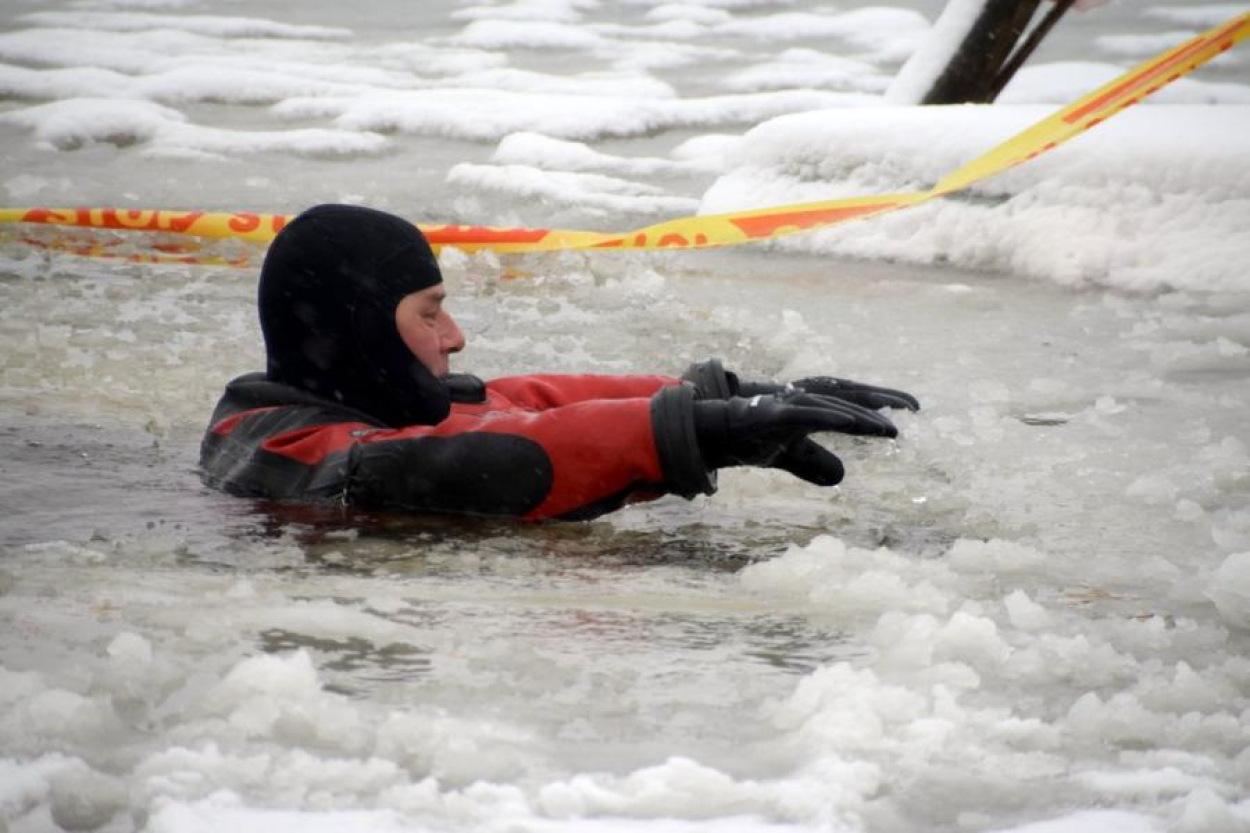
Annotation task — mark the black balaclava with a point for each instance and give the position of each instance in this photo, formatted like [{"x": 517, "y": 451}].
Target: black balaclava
[{"x": 328, "y": 291}]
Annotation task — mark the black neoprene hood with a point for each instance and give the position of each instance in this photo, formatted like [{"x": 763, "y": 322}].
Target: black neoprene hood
[{"x": 328, "y": 291}]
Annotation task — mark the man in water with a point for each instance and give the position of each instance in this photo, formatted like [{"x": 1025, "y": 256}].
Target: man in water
[{"x": 357, "y": 405}]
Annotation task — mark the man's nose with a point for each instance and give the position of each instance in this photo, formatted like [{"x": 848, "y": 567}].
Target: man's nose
[{"x": 452, "y": 337}]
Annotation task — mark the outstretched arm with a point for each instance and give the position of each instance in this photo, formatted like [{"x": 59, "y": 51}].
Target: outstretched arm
[
  {"x": 572, "y": 462},
  {"x": 553, "y": 390},
  {"x": 577, "y": 461}
]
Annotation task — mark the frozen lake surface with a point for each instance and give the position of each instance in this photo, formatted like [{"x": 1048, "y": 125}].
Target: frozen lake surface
[{"x": 1030, "y": 612}]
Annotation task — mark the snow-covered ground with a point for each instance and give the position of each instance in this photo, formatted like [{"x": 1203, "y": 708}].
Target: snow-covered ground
[{"x": 1029, "y": 613}]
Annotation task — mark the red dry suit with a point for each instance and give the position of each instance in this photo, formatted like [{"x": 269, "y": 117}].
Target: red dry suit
[{"x": 531, "y": 447}]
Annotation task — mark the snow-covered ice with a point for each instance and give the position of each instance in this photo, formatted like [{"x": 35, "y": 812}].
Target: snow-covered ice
[{"x": 1129, "y": 205}]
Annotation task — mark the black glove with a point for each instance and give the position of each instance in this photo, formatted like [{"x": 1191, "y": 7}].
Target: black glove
[
  {"x": 771, "y": 431},
  {"x": 713, "y": 381},
  {"x": 808, "y": 460},
  {"x": 869, "y": 396}
]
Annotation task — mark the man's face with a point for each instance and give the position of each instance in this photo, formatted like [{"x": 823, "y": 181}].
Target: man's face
[{"x": 428, "y": 330}]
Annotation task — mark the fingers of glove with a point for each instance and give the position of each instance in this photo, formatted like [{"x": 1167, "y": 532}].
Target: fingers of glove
[
  {"x": 756, "y": 431},
  {"x": 870, "y": 396},
  {"x": 744, "y": 432},
  {"x": 878, "y": 399},
  {"x": 826, "y": 413},
  {"x": 755, "y": 388},
  {"x": 810, "y": 461}
]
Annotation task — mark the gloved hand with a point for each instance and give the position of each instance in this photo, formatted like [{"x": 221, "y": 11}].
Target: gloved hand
[
  {"x": 713, "y": 381},
  {"x": 808, "y": 460},
  {"x": 869, "y": 396},
  {"x": 772, "y": 431}
]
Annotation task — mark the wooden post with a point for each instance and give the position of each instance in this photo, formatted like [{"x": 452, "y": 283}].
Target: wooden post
[{"x": 973, "y": 71}]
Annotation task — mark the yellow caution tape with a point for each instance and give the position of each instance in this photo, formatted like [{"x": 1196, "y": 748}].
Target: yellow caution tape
[
  {"x": 1100, "y": 105},
  {"x": 686, "y": 232}
]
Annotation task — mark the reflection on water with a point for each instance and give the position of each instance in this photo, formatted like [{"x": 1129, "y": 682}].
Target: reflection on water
[
  {"x": 752, "y": 643},
  {"x": 554, "y": 587},
  {"x": 73, "y": 481},
  {"x": 134, "y": 497},
  {"x": 353, "y": 655}
]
